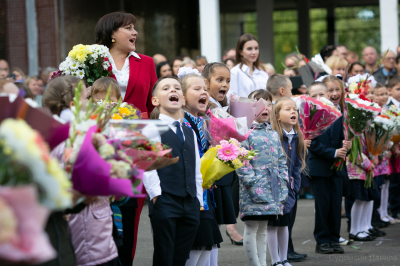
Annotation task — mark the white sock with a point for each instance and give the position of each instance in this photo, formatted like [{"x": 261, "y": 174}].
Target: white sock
[
  {"x": 255, "y": 242},
  {"x": 194, "y": 256},
  {"x": 272, "y": 239},
  {"x": 213, "y": 258},
  {"x": 356, "y": 214},
  {"x": 384, "y": 199},
  {"x": 283, "y": 242},
  {"x": 370, "y": 208}
]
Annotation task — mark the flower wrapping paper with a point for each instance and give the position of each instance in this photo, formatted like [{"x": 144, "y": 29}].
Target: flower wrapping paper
[{"x": 91, "y": 174}]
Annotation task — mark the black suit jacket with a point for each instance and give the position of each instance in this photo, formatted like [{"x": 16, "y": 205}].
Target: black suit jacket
[{"x": 321, "y": 154}]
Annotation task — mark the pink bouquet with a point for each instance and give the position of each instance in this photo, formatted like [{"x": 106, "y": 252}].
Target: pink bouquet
[
  {"x": 219, "y": 125},
  {"x": 245, "y": 107},
  {"x": 22, "y": 222},
  {"x": 226, "y": 157},
  {"x": 105, "y": 171},
  {"x": 315, "y": 116}
]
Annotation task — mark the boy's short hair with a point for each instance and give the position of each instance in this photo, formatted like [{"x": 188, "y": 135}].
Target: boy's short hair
[
  {"x": 317, "y": 83},
  {"x": 393, "y": 80},
  {"x": 261, "y": 93},
  {"x": 155, "y": 87},
  {"x": 102, "y": 85},
  {"x": 275, "y": 82},
  {"x": 379, "y": 85}
]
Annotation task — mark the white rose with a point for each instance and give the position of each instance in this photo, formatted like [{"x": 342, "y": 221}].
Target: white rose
[{"x": 106, "y": 150}]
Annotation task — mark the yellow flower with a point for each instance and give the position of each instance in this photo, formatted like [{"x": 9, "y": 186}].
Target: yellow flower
[
  {"x": 116, "y": 116},
  {"x": 79, "y": 52},
  {"x": 236, "y": 162},
  {"x": 54, "y": 169},
  {"x": 219, "y": 147},
  {"x": 123, "y": 111},
  {"x": 352, "y": 87}
]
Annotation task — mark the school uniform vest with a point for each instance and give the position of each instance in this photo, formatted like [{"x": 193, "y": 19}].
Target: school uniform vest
[{"x": 179, "y": 179}]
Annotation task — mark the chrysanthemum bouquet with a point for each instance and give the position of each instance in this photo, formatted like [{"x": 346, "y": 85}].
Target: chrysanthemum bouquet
[
  {"x": 226, "y": 157},
  {"x": 358, "y": 114},
  {"x": 87, "y": 62},
  {"x": 378, "y": 137},
  {"x": 315, "y": 116},
  {"x": 25, "y": 159}
]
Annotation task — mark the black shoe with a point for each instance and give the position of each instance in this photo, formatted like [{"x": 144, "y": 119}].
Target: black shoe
[
  {"x": 237, "y": 243},
  {"x": 376, "y": 232},
  {"x": 378, "y": 224},
  {"x": 277, "y": 263},
  {"x": 297, "y": 254},
  {"x": 294, "y": 258},
  {"x": 337, "y": 248},
  {"x": 357, "y": 238},
  {"x": 324, "y": 248}
]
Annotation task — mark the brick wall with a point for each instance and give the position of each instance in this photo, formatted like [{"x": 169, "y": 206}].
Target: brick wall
[
  {"x": 15, "y": 32},
  {"x": 48, "y": 41}
]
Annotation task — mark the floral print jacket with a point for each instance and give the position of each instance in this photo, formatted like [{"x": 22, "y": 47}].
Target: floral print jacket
[
  {"x": 263, "y": 184},
  {"x": 359, "y": 171}
]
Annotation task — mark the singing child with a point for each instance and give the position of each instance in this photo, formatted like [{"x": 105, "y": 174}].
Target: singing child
[
  {"x": 175, "y": 191},
  {"x": 327, "y": 182},
  {"x": 208, "y": 235},
  {"x": 284, "y": 120},
  {"x": 263, "y": 192},
  {"x": 217, "y": 78}
]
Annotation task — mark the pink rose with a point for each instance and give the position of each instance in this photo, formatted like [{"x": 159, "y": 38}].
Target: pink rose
[
  {"x": 259, "y": 191},
  {"x": 246, "y": 163},
  {"x": 263, "y": 167},
  {"x": 250, "y": 167}
]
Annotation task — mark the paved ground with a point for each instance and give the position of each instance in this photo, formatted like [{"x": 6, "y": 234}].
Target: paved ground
[{"x": 383, "y": 251}]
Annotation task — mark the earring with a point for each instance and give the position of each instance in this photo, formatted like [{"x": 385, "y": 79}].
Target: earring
[{"x": 112, "y": 40}]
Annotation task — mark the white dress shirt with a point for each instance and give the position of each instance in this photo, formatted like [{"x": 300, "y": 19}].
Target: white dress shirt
[
  {"x": 290, "y": 135},
  {"x": 242, "y": 83},
  {"x": 122, "y": 75},
  {"x": 395, "y": 102},
  {"x": 151, "y": 180}
]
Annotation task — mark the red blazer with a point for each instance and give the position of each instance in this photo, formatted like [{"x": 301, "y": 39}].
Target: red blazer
[{"x": 142, "y": 76}]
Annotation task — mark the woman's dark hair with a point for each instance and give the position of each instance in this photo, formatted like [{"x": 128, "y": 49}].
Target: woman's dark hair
[
  {"x": 159, "y": 66},
  {"x": 24, "y": 91},
  {"x": 327, "y": 51},
  {"x": 110, "y": 23},
  {"x": 172, "y": 63},
  {"x": 59, "y": 93},
  {"x": 354, "y": 64},
  {"x": 239, "y": 47}
]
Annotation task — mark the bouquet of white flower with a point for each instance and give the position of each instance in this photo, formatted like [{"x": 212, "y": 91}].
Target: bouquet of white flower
[{"x": 87, "y": 62}]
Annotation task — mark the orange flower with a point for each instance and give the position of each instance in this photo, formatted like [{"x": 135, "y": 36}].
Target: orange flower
[
  {"x": 385, "y": 116},
  {"x": 93, "y": 116},
  {"x": 123, "y": 111}
]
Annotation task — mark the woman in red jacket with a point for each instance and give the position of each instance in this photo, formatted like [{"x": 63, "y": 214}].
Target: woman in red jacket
[
  {"x": 134, "y": 72},
  {"x": 136, "y": 76}
]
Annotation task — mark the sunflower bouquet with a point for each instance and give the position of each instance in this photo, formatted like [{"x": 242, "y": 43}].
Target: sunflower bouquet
[{"x": 222, "y": 159}]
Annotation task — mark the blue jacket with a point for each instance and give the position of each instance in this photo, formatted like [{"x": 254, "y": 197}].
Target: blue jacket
[
  {"x": 263, "y": 184},
  {"x": 294, "y": 164},
  {"x": 321, "y": 153}
]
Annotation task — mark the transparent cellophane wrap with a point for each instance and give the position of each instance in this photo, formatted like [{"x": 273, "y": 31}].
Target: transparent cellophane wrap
[
  {"x": 219, "y": 125},
  {"x": 131, "y": 131},
  {"x": 315, "y": 117}
]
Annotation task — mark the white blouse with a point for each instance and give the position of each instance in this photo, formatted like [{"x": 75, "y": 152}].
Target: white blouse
[
  {"x": 122, "y": 75},
  {"x": 242, "y": 83}
]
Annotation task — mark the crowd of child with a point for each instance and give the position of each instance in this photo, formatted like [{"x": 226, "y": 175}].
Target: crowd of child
[{"x": 268, "y": 187}]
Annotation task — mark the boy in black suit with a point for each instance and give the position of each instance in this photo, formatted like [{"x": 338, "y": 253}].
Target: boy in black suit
[{"x": 175, "y": 191}]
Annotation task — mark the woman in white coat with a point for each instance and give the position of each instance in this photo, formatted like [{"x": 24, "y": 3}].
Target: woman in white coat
[{"x": 247, "y": 75}]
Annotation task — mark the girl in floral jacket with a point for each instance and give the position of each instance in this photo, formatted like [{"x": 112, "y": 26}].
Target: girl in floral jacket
[{"x": 263, "y": 188}]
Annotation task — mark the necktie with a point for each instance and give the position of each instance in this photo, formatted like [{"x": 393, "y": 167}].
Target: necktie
[{"x": 179, "y": 132}]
